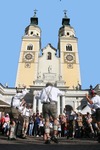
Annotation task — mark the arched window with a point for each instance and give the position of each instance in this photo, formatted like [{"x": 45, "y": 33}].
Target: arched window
[
  {"x": 49, "y": 55},
  {"x": 69, "y": 47},
  {"x": 30, "y": 47}
]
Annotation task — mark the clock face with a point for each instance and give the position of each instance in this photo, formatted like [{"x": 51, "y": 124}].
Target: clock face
[
  {"x": 69, "y": 58},
  {"x": 28, "y": 56}
]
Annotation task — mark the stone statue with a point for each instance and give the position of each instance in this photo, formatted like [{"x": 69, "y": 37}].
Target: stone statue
[{"x": 49, "y": 69}]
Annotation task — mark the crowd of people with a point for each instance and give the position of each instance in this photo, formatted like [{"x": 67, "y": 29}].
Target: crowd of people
[
  {"x": 23, "y": 122},
  {"x": 70, "y": 126}
]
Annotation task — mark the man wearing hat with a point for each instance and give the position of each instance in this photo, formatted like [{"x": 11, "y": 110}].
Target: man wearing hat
[{"x": 94, "y": 101}]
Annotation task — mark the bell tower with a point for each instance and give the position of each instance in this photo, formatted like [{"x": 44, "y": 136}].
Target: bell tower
[
  {"x": 29, "y": 54},
  {"x": 68, "y": 53}
]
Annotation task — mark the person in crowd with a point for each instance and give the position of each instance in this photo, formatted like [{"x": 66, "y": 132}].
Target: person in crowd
[
  {"x": 11, "y": 135},
  {"x": 59, "y": 129},
  {"x": 31, "y": 126},
  {"x": 36, "y": 124},
  {"x": 26, "y": 117},
  {"x": 48, "y": 97},
  {"x": 41, "y": 126},
  {"x": 94, "y": 100},
  {"x": 6, "y": 124},
  {"x": 72, "y": 122},
  {"x": 51, "y": 125},
  {"x": 79, "y": 121},
  {"x": 2, "y": 121},
  {"x": 89, "y": 121},
  {"x": 62, "y": 122}
]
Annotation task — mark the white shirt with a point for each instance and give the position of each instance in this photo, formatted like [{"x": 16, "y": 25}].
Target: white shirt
[
  {"x": 24, "y": 92},
  {"x": 49, "y": 94},
  {"x": 26, "y": 112},
  {"x": 41, "y": 123},
  {"x": 16, "y": 102},
  {"x": 96, "y": 101},
  {"x": 18, "y": 97},
  {"x": 20, "y": 108}
]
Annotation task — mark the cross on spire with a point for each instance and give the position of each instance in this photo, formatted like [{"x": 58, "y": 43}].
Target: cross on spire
[
  {"x": 35, "y": 12},
  {"x": 65, "y": 13}
]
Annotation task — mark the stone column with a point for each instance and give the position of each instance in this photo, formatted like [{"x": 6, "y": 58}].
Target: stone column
[
  {"x": 58, "y": 106},
  {"x": 63, "y": 103},
  {"x": 34, "y": 104},
  {"x": 75, "y": 105},
  {"x": 78, "y": 105},
  {"x": 39, "y": 106}
]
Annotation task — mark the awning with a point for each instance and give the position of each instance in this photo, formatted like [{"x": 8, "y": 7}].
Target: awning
[{"x": 4, "y": 105}]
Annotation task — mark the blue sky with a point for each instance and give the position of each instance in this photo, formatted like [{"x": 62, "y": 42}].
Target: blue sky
[{"x": 84, "y": 18}]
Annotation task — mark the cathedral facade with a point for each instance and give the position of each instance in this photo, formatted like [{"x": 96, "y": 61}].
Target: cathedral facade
[{"x": 60, "y": 66}]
